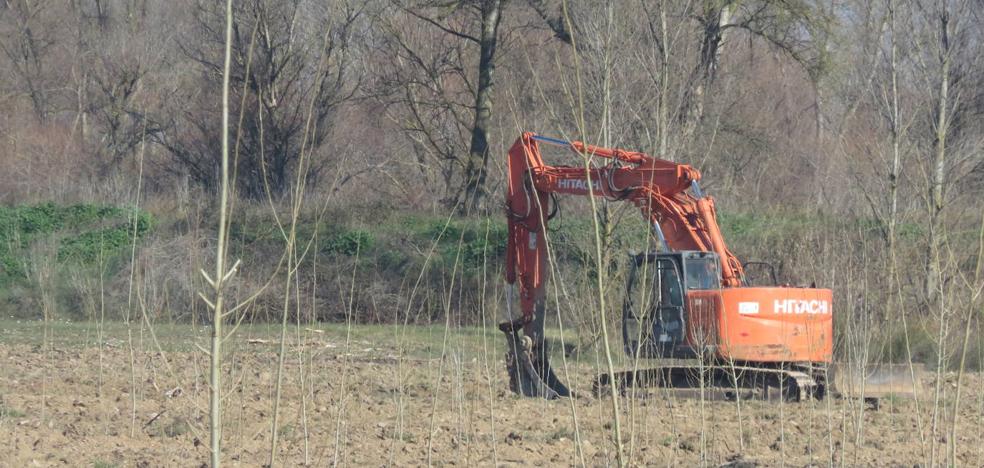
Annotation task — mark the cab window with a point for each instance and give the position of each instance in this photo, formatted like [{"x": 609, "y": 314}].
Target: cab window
[
  {"x": 703, "y": 273},
  {"x": 666, "y": 285}
]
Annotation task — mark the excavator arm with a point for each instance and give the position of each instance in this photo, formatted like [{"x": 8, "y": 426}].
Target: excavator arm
[{"x": 667, "y": 193}]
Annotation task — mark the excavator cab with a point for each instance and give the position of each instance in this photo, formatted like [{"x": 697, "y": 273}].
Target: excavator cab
[{"x": 654, "y": 312}]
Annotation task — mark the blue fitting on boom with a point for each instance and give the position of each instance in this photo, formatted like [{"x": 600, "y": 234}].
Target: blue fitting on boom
[
  {"x": 697, "y": 191},
  {"x": 552, "y": 141},
  {"x": 663, "y": 246}
]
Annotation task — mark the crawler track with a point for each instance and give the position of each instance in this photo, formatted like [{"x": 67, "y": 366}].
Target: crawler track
[{"x": 731, "y": 381}]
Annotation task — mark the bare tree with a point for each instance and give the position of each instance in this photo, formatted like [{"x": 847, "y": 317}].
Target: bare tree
[
  {"x": 946, "y": 66},
  {"x": 427, "y": 95},
  {"x": 287, "y": 55},
  {"x": 28, "y": 35},
  {"x": 469, "y": 34},
  {"x": 466, "y": 26},
  {"x": 116, "y": 77}
]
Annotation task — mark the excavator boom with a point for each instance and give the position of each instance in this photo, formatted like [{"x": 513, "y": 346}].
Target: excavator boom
[{"x": 659, "y": 188}]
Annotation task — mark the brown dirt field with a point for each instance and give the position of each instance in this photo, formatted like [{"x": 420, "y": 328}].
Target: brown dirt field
[{"x": 73, "y": 406}]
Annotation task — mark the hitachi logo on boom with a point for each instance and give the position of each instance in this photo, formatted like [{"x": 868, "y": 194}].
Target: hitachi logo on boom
[
  {"x": 577, "y": 184},
  {"x": 795, "y": 306}
]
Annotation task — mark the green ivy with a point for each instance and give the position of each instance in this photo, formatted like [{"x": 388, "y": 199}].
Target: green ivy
[
  {"x": 85, "y": 233},
  {"x": 349, "y": 242}
]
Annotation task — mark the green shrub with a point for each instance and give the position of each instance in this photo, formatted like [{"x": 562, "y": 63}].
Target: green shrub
[
  {"x": 440, "y": 227},
  {"x": 82, "y": 238},
  {"x": 349, "y": 242},
  {"x": 921, "y": 343},
  {"x": 393, "y": 260},
  {"x": 39, "y": 219},
  {"x": 87, "y": 233},
  {"x": 477, "y": 249},
  {"x": 88, "y": 247}
]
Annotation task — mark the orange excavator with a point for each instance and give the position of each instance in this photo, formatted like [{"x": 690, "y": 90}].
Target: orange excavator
[{"x": 687, "y": 303}]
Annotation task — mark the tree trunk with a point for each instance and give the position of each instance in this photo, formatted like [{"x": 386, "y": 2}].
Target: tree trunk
[
  {"x": 893, "y": 175},
  {"x": 939, "y": 162},
  {"x": 662, "y": 111},
  {"x": 714, "y": 18},
  {"x": 478, "y": 153}
]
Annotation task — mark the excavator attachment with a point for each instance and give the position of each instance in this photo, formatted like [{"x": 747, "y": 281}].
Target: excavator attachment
[
  {"x": 875, "y": 381},
  {"x": 528, "y": 365}
]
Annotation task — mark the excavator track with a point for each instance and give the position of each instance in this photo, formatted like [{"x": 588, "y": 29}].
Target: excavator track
[{"x": 720, "y": 382}]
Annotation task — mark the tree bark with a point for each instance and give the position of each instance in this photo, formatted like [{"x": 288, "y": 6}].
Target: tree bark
[
  {"x": 893, "y": 175},
  {"x": 662, "y": 111},
  {"x": 715, "y": 16},
  {"x": 939, "y": 160},
  {"x": 478, "y": 153}
]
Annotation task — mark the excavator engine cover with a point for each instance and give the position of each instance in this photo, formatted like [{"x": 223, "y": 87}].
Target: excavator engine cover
[{"x": 684, "y": 313}]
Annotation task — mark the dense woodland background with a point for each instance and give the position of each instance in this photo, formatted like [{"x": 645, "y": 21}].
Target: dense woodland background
[{"x": 841, "y": 139}]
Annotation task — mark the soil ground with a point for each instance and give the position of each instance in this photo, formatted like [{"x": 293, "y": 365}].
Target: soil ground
[{"x": 389, "y": 396}]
